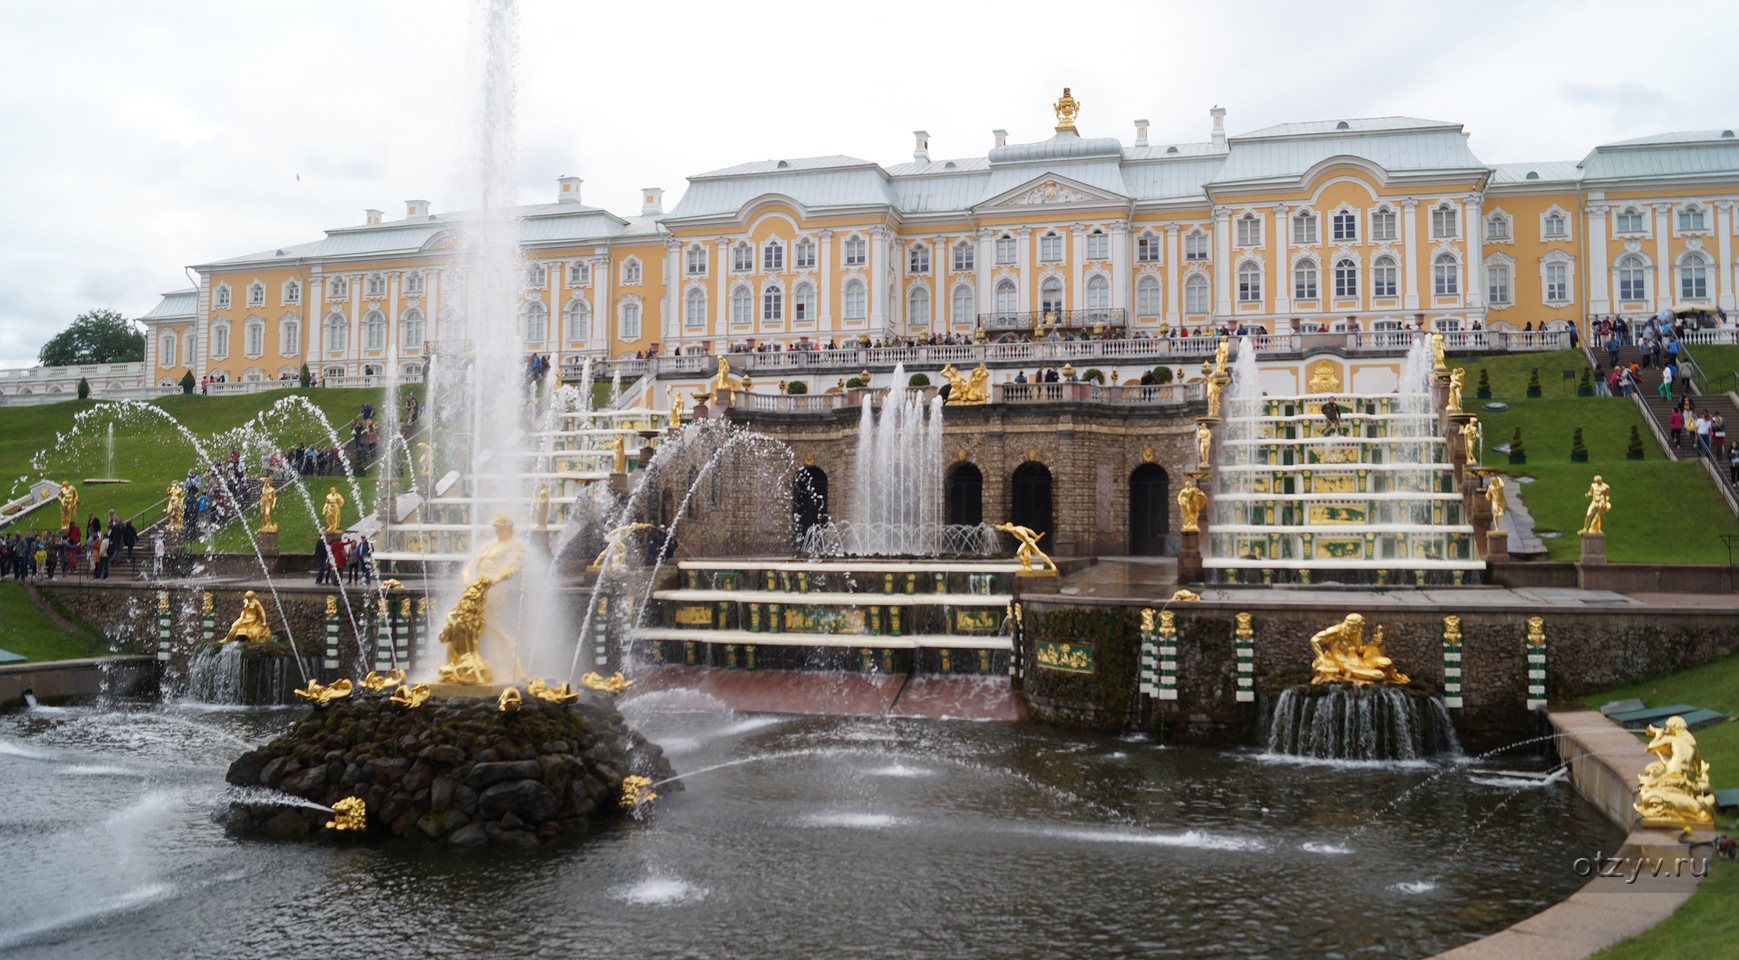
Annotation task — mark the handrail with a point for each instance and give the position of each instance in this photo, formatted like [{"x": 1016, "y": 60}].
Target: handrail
[
  {"x": 1722, "y": 484},
  {"x": 1653, "y": 424}
]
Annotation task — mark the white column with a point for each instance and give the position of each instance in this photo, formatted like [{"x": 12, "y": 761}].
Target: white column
[
  {"x": 877, "y": 284},
  {"x": 983, "y": 297},
  {"x": 1121, "y": 276},
  {"x": 1597, "y": 273},
  {"x": 1077, "y": 298},
  {"x": 1173, "y": 277},
  {"x": 353, "y": 330},
  {"x": 1223, "y": 262},
  {"x": 722, "y": 271},
  {"x": 391, "y": 351},
  {"x": 1410, "y": 282},
  {"x": 431, "y": 309},
  {"x": 1724, "y": 250},
  {"x": 1471, "y": 214},
  {"x": 604, "y": 315},
  {"x": 1282, "y": 263},
  {"x": 942, "y": 261},
  {"x": 673, "y": 318},
  {"x": 825, "y": 293},
  {"x": 1663, "y": 260},
  {"x": 1023, "y": 259}
]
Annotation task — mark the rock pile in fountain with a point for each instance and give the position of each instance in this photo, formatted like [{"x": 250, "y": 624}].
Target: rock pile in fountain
[{"x": 455, "y": 770}]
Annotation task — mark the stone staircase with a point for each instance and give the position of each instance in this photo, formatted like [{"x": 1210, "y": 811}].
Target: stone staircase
[{"x": 1660, "y": 408}]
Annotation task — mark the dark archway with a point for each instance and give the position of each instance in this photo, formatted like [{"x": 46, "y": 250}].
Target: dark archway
[
  {"x": 808, "y": 501},
  {"x": 1149, "y": 510},
  {"x": 1031, "y": 504},
  {"x": 963, "y": 497}
]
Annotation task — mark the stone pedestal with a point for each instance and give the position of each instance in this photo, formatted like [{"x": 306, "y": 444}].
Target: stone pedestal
[
  {"x": 1189, "y": 558},
  {"x": 645, "y": 456},
  {"x": 267, "y": 541},
  {"x": 476, "y": 691},
  {"x": 1497, "y": 547},
  {"x": 1593, "y": 548},
  {"x": 619, "y": 484}
]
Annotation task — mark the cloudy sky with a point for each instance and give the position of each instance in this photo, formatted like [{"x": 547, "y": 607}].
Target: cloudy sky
[{"x": 139, "y": 138}]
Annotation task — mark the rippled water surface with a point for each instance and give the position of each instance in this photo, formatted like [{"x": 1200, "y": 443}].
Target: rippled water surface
[{"x": 854, "y": 838}]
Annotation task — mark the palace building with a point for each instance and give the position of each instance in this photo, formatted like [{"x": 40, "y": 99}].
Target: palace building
[{"x": 1373, "y": 224}]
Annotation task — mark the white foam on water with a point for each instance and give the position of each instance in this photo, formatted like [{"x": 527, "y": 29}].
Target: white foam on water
[
  {"x": 1512, "y": 783},
  {"x": 661, "y": 891},
  {"x": 901, "y": 770},
  {"x": 98, "y": 770},
  {"x": 12, "y": 748},
  {"x": 1287, "y": 758},
  {"x": 131, "y": 900},
  {"x": 1194, "y": 839},
  {"x": 1413, "y": 886},
  {"x": 856, "y": 821},
  {"x": 1330, "y": 848}
]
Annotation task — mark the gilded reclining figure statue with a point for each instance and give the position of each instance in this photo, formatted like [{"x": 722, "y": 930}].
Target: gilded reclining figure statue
[{"x": 1342, "y": 656}]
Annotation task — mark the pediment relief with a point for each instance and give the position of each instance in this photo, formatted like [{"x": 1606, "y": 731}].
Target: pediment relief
[{"x": 1052, "y": 189}]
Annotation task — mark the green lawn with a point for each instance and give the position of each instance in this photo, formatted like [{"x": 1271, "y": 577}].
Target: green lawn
[
  {"x": 1706, "y": 927},
  {"x": 1717, "y": 367},
  {"x": 1663, "y": 512},
  {"x": 1714, "y": 686},
  {"x": 29, "y": 632}
]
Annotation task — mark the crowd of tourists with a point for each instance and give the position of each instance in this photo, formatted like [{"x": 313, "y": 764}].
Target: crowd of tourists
[
  {"x": 92, "y": 547},
  {"x": 349, "y": 556}
]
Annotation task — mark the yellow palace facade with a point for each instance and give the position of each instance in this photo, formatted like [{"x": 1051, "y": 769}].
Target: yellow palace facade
[{"x": 1367, "y": 224}]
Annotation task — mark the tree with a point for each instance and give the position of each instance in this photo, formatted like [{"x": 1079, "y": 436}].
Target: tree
[
  {"x": 305, "y": 376},
  {"x": 187, "y": 382},
  {"x": 84, "y": 388},
  {"x": 100, "y": 336}
]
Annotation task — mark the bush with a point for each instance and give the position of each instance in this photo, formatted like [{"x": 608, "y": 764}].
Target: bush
[
  {"x": 84, "y": 389},
  {"x": 1161, "y": 374},
  {"x": 1534, "y": 383},
  {"x": 918, "y": 380},
  {"x": 1095, "y": 375},
  {"x": 1484, "y": 391},
  {"x": 1635, "y": 450},
  {"x": 1586, "y": 387},
  {"x": 1518, "y": 450},
  {"x": 308, "y": 378},
  {"x": 853, "y": 383},
  {"x": 796, "y": 387},
  {"x": 1578, "y": 450},
  {"x": 187, "y": 382}
]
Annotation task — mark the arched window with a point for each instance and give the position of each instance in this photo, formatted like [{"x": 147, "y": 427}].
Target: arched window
[
  {"x": 1694, "y": 276},
  {"x": 220, "y": 297},
  {"x": 190, "y": 349},
  {"x": 579, "y": 321},
  {"x": 1051, "y": 247},
  {"x": 1691, "y": 218},
  {"x": 697, "y": 259},
  {"x": 220, "y": 339},
  {"x": 742, "y": 258},
  {"x": 1147, "y": 296},
  {"x": 411, "y": 330},
  {"x": 961, "y": 313},
  {"x": 1098, "y": 245},
  {"x": 166, "y": 349},
  {"x": 1007, "y": 300},
  {"x": 1630, "y": 220},
  {"x": 803, "y": 303},
  {"x": 375, "y": 286},
  {"x": 1383, "y": 223},
  {"x": 918, "y": 307},
  {"x": 374, "y": 330},
  {"x": 1051, "y": 295},
  {"x": 1304, "y": 280},
  {"x": 1447, "y": 275},
  {"x": 631, "y": 270},
  {"x": 1632, "y": 278},
  {"x": 256, "y": 294},
  {"x": 254, "y": 334},
  {"x": 772, "y": 304},
  {"x": 920, "y": 258},
  {"x": 1346, "y": 278},
  {"x": 1099, "y": 294},
  {"x": 1197, "y": 298},
  {"x": 694, "y": 308},
  {"x": 963, "y": 495},
  {"x": 1304, "y": 228},
  {"x": 1553, "y": 226},
  {"x": 1006, "y": 249},
  {"x": 630, "y": 321},
  {"x": 742, "y": 306},
  {"x": 1249, "y": 283},
  {"x": 448, "y": 325},
  {"x": 1383, "y": 277},
  {"x": 534, "y": 321},
  {"x": 963, "y": 256}
]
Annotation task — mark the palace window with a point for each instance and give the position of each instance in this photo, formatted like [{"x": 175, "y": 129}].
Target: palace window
[
  {"x": 289, "y": 337},
  {"x": 1304, "y": 228},
  {"x": 579, "y": 274},
  {"x": 1691, "y": 218},
  {"x": 803, "y": 303},
  {"x": 254, "y": 337},
  {"x": 579, "y": 321},
  {"x": 1051, "y": 248},
  {"x": 220, "y": 297},
  {"x": 1632, "y": 278},
  {"x": 1098, "y": 246},
  {"x": 1383, "y": 277},
  {"x": 1443, "y": 222},
  {"x": 374, "y": 330},
  {"x": 1693, "y": 278},
  {"x": 191, "y": 348},
  {"x": 1051, "y": 296},
  {"x": 292, "y": 292},
  {"x": 1497, "y": 283},
  {"x": 256, "y": 294},
  {"x": 1304, "y": 280},
  {"x": 631, "y": 274},
  {"x": 742, "y": 258},
  {"x": 1196, "y": 296},
  {"x": 918, "y": 308},
  {"x": 1007, "y": 300},
  {"x": 536, "y": 322},
  {"x": 1448, "y": 275},
  {"x": 1497, "y": 228},
  {"x": 411, "y": 335},
  {"x": 1006, "y": 251},
  {"x": 855, "y": 301},
  {"x": 166, "y": 349},
  {"x": 1147, "y": 248},
  {"x": 694, "y": 309},
  {"x": 1630, "y": 220},
  {"x": 536, "y": 276},
  {"x": 1346, "y": 226},
  {"x": 773, "y": 256},
  {"x": 963, "y": 256},
  {"x": 855, "y": 252},
  {"x": 1250, "y": 231},
  {"x": 803, "y": 257},
  {"x": 337, "y": 288},
  {"x": 772, "y": 304},
  {"x": 1098, "y": 294},
  {"x": 963, "y": 307},
  {"x": 337, "y": 334},
  {"x": 742, "y": 306},
  {"x": 630, "y": 321},
  {"x": 220, "y": 340},
  {"x": 1557, "y": 283},
  {"x": 449, "y": 325},
  {"x": 919, "y": 261},
  {"x": 697, "y": 259},
  {"x": 1383, "y": 224},
  {"x": 1195, "y": 246},
  {"x": 1147, "y": 297},
  {"x": 413, "y": 284},
  {"x": 375, "y": 286},
  {"x": 1553, "y": 227},
  {"x": 1249, "y": 283},
  {"x": 1346, "y": 278}
]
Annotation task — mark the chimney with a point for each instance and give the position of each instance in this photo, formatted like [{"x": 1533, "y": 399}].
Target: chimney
[
  {"x": 921, "y": 148},
  {"x": 1219, "y": 115},
  {"x": 1001, "y": 137},
  {"x": 371, "y": 216},
  {"x": 654, "y": 202},
  {"x": 416, "y": 208},
  {"x": 569, "y": 191},
  {"x": 1141, "y": 133}
]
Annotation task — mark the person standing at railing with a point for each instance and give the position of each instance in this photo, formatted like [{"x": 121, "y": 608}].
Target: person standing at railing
[{"x": 1717, "y": 435}]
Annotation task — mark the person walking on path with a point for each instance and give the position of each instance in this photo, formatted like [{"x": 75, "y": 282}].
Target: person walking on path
[
  {"x": 1612, "y": 345},
  {"x": 1704, "y": 429},
  {"x": 157, "y": 550},
  {"x": 1665, "y": 390},
  {"x": 1676, "y": 424}
]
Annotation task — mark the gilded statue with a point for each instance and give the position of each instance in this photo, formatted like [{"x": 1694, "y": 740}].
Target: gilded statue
[
  {"x": 1204, "y": 444},
  {"x": 315, "y": 692},
  {"x": 675, "y": 411},
  {"x": 540, "y": 507},
  {"x": 425, "y": 461},
  {"x": 251, "y": 624},
  {"x": 351, "y": 813},
  {"x": 1222, "y": 353},
  {"x": 1599, "y": 505},
  {"x": 1438, "y": 363},
  {"x": 615, "y": 553},
  {"x": 68, "y": 504},
  {"x": 376, "y": 682},
  {"x": 175, "y": 513},
  {"x": 1470, "y": 440},
  {"x": 1457, "y": 377},
  {"x": 1494, "y": 492},
  {"x": 1674, "y": 790},
  {"x": 980, "y": 391},
  {"x": 268, "y": 503},
  {"x": 619, "y": 455},
  {"x": 957, "y": 384},
  {"x": 1342, "y": 656},
  {"x": 1184, "y": 596},
  {"x": 1190, "y": 501},
  {"x": 1068, "y": 108},
  {"x": 614, "y": 684},
  {"x": 410, "y": 697},
  {"x": 334, "y": 509},
  {"x": 636, "y": 790},
  {"x": 1216, "y": 390},
  {"x": 463, "y": 634},
  {"x": 1029, "y": 546},
  {"x": 543, "y": 691},
  {"x": 509, "y": 701}
]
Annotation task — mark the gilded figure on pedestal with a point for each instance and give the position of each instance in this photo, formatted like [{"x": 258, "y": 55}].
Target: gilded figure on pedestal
[
  {"x": 1599, "y": 505},
  {"x": 1342, "y": 655}
]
